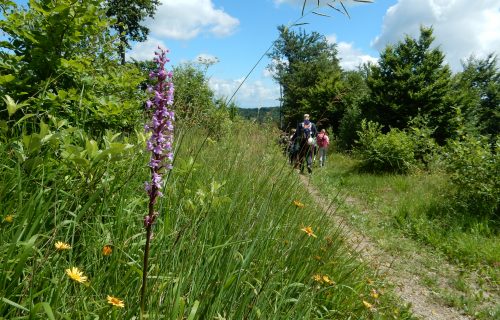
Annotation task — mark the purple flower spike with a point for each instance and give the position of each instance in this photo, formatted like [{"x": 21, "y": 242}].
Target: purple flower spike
[{"x": 161, "y": 127}]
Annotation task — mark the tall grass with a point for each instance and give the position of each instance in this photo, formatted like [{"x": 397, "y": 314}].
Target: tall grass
[{"x": 228, "y": 243}]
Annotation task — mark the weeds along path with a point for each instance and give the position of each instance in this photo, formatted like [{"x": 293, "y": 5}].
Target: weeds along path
[{"x": 394, "y": 269}]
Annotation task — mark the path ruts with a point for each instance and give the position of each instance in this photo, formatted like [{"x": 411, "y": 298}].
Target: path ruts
[{"x": 392, "y": 268}]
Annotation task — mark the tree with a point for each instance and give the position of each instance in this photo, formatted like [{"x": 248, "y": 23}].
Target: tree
[
  {"x": 479, "y": 88},
  {"x": 307, "y": 69},
  {"x": 49, "y": 41},
  {"x": 411, "y": 79},
  {"x": 128, "y": 15}
]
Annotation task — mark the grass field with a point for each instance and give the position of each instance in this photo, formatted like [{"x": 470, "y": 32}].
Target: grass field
[
  {"x": 411, "y": 213},
  {"x": 237, "y": 238}
]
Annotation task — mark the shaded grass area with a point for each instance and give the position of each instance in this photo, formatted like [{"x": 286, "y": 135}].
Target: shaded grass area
[
  {"x": 229, "y": 242},
  {"x": 417, "y": 206}
]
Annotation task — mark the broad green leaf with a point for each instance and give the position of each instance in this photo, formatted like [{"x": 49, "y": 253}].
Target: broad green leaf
[
  {"x": 91, "y": 147},
  {"x": 12, "y": 106},
  {"x": 46, "y": 307},
  {"x": 6, "y": 78}
]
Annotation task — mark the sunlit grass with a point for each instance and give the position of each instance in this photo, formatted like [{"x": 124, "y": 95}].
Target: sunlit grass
[
  {"x": 237, "y": 237},
  {"x": 417, "y": 206}
]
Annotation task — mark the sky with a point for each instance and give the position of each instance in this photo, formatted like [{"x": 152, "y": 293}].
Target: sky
[{"x": 235, "y": 35}]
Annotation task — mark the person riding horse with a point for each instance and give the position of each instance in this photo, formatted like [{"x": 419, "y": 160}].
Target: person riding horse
[{"x": 305, "y": 137}]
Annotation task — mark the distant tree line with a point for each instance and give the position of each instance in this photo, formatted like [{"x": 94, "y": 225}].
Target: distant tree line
[{"x": 409, "y": 81}]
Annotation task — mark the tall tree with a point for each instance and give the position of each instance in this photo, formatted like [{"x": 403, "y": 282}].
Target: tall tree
[
  {"x": 411, "y": 79},
  {"x": 128, "y": 15},
  {"x": 301, "y": 64},
  {"x": 479, "y": 88}
]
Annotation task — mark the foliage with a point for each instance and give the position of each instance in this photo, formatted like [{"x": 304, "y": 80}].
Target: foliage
[
  {"x": 58, "y": 61},
  {"x": 307, "y": 69},
  {"x": 390, "y": 152},
  {"x": 424, "y": 145},
  {"x": 195, "y": 102},
  {"x": 128, "y": 16},
  {"x": 411, "y": 79},
  {"x": 478, "y": 86},
  {"x": 474, "y": 168},
  {"x": 50, "y": 40},
  {"x": 355, "y": 94}
]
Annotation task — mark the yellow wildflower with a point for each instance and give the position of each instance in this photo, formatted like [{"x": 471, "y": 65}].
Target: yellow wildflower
[
  {"x": 9, "y": 218},
  {"x": 374, "y": 294},
  {"x": 298, "y": 204},
  {"x": 326, "y": 279},
  {"x": 367, "y": 304},
  {"x": 116, "y": 302},
  {"x": 317, "y": 278},
  {"x": 309, "y": 231},
  {"x": 106, "y": 250},
  {"x": 76, "y": 275},
  {"x": 62, "y": 246}
]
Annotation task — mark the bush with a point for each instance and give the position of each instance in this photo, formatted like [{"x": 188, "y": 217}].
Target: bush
[
  {"x": 474, "y": 167},
  {"x": 390, "y": 152},
  {"x": 425, "y": 147},
  {"x": 348, "y": 128}
]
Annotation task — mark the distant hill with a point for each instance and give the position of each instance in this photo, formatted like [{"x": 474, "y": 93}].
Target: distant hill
[{"x": 264, "y": 114}]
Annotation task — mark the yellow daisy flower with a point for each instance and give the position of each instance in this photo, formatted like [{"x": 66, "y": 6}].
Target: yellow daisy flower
[
  {"x": 9, "y": 218},
  {"x": 317, "y": 278},
  {"x": 116, "y": 302},
  {"x": 62, "y": 246},
  {"x": 326, "y": 279},
  {"x": 298, "y": 204},
  {"x": 374, "y": 294},
  {"x": 106, "y": 250},
  {"x": 309, "y": 231},
  {"x": 76, "y": 275}
]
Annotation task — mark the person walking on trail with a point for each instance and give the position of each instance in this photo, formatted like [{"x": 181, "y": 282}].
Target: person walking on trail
[
  {"x": 323, "y": 141},
  {"x": 293, "y": 148},
  {"x": 305, "y": 136}
]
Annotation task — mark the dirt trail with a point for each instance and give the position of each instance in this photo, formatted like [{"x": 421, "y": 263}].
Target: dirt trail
[{"x": 396, "y": 270}]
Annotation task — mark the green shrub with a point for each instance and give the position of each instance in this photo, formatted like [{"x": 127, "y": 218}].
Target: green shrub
[
  {"x": 348, "y": 128},
  {"x": 425, "y": 147},
  {"x": 474, "y": 167},
  {"x": 390, "y": 152}
]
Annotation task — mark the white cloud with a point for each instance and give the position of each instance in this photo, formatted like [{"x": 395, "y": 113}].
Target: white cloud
[
  {"x": 205, "y": 58},
  {"x": 350, "y": 56},
  {"x": 314, "y": 2},
  {"x": 251, "y": 94},
  {"x": 461, "y": 27},
  {"x": 145, "y": 50},
  {"x": 186, "y": 19}
]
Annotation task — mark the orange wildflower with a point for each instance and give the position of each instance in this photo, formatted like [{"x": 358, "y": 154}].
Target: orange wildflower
[
  {"x": 309, "y": 231},
  {"x": 106, "y": 250}
]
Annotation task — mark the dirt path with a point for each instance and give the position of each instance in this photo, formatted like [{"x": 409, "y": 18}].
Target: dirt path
[{"x": 396, "y": 270}]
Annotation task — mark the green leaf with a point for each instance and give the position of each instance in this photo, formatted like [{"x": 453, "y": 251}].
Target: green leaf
[
  {"x": 6, "y": 78},
  {"x": 92, "y": 148},
  {"x": 46, "y": 307},
  {"x": 192, "y": 314},
  {"x": 12, "y": 106},
  {"x": 26, "y": 116}
]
